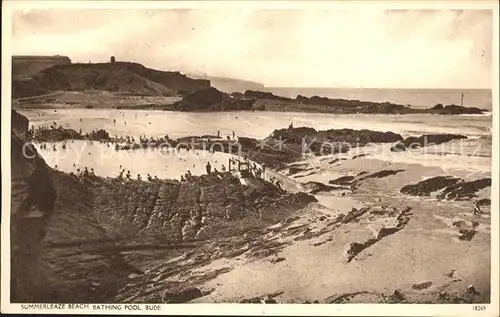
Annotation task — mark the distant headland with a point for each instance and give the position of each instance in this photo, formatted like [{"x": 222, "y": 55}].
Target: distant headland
[{"x": 54, "y": 81}]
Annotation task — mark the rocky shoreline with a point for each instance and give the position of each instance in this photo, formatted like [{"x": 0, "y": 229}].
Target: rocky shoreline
[
  {"x": 210, "y": 99},
  {"x": 281, "y": 147},
  {"x": 164, "y": 241},
  {"x": 92, "y": 222},
  {"x": 213, "y": 100},
  {"x": 115, "y": 80}
]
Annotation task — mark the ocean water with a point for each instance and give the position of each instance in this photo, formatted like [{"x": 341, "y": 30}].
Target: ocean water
[
  {"x": 472, "y": 154},
  {"x": 417, "y": 98}
]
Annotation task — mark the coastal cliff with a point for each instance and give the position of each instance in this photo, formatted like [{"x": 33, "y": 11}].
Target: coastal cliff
[
  {"x": 123, "y": 77},
  {"x": 229, "y": 85},
  {"x": 27, "y": 66},
  {"x": 82, "y": 239},
  {"x": 131, "y": 85}
]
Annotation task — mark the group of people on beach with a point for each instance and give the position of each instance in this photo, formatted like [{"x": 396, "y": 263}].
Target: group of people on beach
[
  {"x": 128, "y": 176},
  {"x": 43, "y": 146},
  {"x": 82, "y": 173},
  {"x": 227, "y": 137},
  {"x": 208, "y": 167},
  {"x": 130, "y": 142},
  {"x": 32, "y": 131}
]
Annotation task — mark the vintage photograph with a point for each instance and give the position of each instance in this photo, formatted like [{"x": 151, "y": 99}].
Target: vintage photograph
[{"x": 251, "y": 155}]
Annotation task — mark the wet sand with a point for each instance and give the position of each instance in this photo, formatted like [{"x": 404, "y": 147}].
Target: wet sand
[{"x": 426, "y": 250}]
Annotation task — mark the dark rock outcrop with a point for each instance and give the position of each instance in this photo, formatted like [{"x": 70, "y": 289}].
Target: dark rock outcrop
[
  {"x": 348, "y": 136},
  {"x": 381, "y": 174},
  {"x": 182, "y": 296},
  {"x": 295, "y": 170},
  {"x": 421, "y": 286},
  {"x": 454, "y": 110},
  {"x": 484, "y": 202},
  {"x": 353, "y": 180},
  {"x": 330, "y": 141},
  {"x": 464, "y": 190},
  {"x": 343, "y": 180},
  {"x": 269, "y": 101},
  {"x": 427, "y": 186},
  {"x": 451, "y": 187},
  {"x": 316, "y": 187},
  {"x": 63, "y": 134},
  {"x": 210, "y": 99},
  {"x": 92, "y": 239},
  {"x": 264, "y": 95},
  {"x": 425, "y": 140}
]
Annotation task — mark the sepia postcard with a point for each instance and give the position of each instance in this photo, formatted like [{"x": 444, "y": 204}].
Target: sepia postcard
[{"x": 218, "y": 157}]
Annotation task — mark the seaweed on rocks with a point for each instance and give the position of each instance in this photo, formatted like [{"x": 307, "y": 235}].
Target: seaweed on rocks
[
  {"x": 464, "y": 190},
  {"x": 425, "y": 140},
  {"x": 343, "y": 180},
  {"x": 426, "y": 187},
  {"x": 452, "y": 188},
  {"x": 352, "y": 249}
]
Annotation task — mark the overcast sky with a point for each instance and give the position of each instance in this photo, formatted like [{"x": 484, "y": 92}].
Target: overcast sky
[{"x": 296, "y": 48}]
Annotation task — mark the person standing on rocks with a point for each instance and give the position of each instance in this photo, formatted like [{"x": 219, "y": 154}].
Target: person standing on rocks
[
  {"x": 477, "y": 210},
  {"x": 209, "y": 168}
]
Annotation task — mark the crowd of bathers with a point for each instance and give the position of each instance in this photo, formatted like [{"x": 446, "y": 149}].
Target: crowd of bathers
[{"x": 130, "y": 142}]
